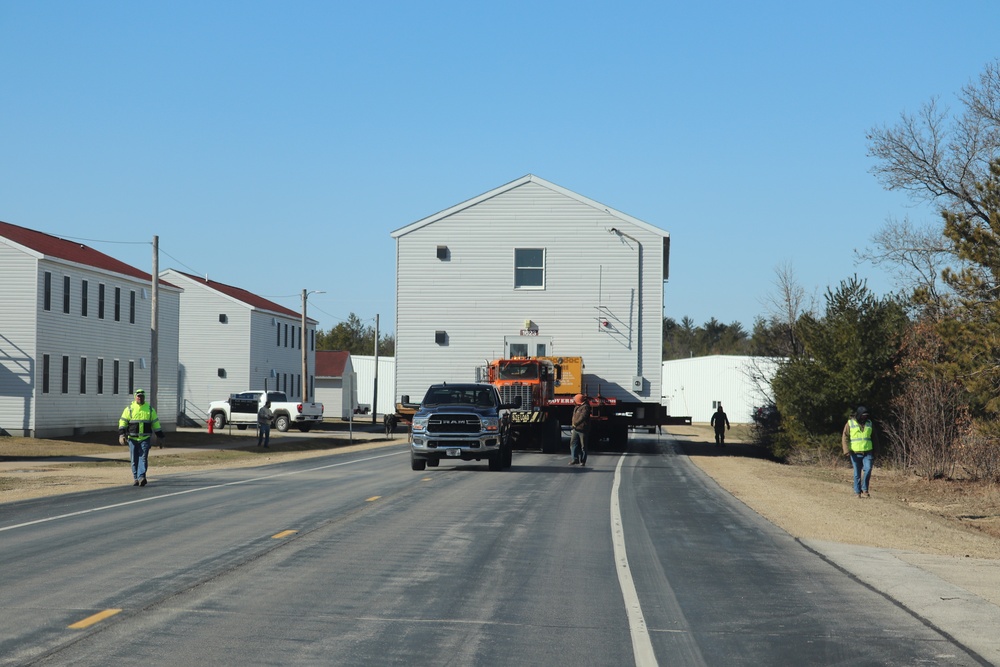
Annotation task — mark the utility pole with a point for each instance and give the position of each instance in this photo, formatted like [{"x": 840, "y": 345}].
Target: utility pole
[
  {"x": 305, "y": 365},
  {"x": 154, "y": 326},
  {"x": 375, "y": 388}
]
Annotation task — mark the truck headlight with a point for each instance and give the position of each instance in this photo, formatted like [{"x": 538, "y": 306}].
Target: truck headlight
[
  {"x": 420, "y": 423},
  {"x": 491, "y": 423}
]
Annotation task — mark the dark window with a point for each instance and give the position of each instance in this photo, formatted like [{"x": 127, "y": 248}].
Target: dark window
[
  {"x": 131, "y": 378},
  {"x": 131, "y": 307},
  {"x": 83, "y": 375},
  {"x": 45, "y": 373},
  {"x": 118, "y": 304},
  {"x": 223, "y": 318},
  {"x": 84, "y": 295},
  {"x": 529, "y": 268},
  {"x": 114, "y": 377},
  {"x": 312, "y": 339},
  {"x": 65, "y": 375},
  {"x": 100, "y": 301},
  {"x": 222, "y": 372},
  {"x": 48, "y": 291},
  {"x": 286, "y": 335},
  {"x": 279, "y": 335},
  {"x": 100, "y": 376},
  {"x": 65, "y": 294}
]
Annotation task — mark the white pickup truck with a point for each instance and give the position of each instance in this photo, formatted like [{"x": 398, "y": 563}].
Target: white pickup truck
[{"x": 241, "y": 410}]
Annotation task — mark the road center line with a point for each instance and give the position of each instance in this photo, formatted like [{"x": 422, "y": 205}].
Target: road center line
[
  {"x": 642, "y": 647},
  {"x": 95, "y": 618},
  {"x": 196, "y": 490}
]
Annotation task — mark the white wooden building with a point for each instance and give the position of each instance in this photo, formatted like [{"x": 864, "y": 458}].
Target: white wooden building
[
  {"x": 75, "y": 337},
  {"x": 232, "y": 340},
  {"x": 336, "y": 383},
  {"x": 531, "y": 268},
  {"x": 697, "y": 386}
]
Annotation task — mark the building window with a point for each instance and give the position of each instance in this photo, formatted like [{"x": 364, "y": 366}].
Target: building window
[
  {"x": 45, "y": 373},
  {"x": 66, "y": 294},
  {"x": 222, "y": 373},
  {"x": 115, "y": 369},
  {"x": 312, "y": 340},
  {"x": 65, "y": 375},
  {"x": 83, "y": 375},
  {"x": 100, "y": 375},
  {"x": 131, "y": 378},
  {"x": 279, "y": 335},
  {"x": 131, "y": 307},
  {"x": 100, "y": 301},
  {"x": 529, "y": 268},
  {"x": 84, "y": 295},
  {"x": 48, "y": 291},
  {"x": 286, "y": 335},
  {"x": 118, "y": 304},
  {"x": 223, "y": 318}
]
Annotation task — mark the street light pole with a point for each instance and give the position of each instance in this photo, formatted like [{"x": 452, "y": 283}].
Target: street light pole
[{"x": 305, "y": 346}]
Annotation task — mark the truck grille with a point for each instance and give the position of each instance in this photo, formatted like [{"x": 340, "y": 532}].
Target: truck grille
[
  {"x": 445, "y": 423},
  {"x": 509, "y": 392}
]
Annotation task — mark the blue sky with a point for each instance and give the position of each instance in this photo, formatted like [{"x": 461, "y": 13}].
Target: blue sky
[{"x": 274, "y": 146}]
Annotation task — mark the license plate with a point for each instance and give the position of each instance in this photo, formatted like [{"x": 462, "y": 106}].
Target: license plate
[{"x": 454, "y": 452}]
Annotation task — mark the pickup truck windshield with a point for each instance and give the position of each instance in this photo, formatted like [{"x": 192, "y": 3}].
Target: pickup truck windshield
[{"x": 478, "y": 396}]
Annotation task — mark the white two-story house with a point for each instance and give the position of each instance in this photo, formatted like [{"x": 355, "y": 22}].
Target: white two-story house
[
  {"x": 531, "y": 269},
  {"x": 75, "y": 337},
  {"x": 232, "y": 340}
]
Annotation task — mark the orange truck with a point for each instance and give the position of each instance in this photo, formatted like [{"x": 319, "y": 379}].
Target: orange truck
[{"x": 547, "y": 386}]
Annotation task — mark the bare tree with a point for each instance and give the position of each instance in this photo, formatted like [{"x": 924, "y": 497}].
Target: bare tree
[
  {"x": 939, "y": 158},
  {"x": 785, "y": 306}
]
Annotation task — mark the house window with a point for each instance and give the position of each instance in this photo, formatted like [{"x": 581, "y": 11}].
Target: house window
[
  {"x": 84, "y": 295},
  {"x": 118, "y": 304},
  {"x": 48, "y": 291},
  {"x": 100, "y": 375},
  {"x": 131, "y": 307},
  {"x": 65, "y": 375},
  {"x": 279, "y": 335},
  {"x": 100, "y": 301},
  {"x": 83, "y": 375},
  {"x": 529, "y": 268},
  {"x": 115, "y": 370},
  {"x": 66, "y": 294},
  {"x": 312, "y": 340},
  {"x": 221, "y": 372},
  {"x": 131, "y": 378},
  {"x": 223, "y": 318},
  {"x": 286, "y": 335},
  {"x": 45, "y": 373}
]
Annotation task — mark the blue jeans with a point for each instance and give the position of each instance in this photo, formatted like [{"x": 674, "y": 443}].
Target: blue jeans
[
  {"x": 139, "y": 454},
  {"x": 862, "y": 463},
  {"x": 578, "y": 445},
  {"x": 263, "y": 434}
]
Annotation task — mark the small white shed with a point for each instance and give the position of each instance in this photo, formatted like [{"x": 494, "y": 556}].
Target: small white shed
[
  {"x": 336, "y": 383},
  {"x": 697, "y": 386}
]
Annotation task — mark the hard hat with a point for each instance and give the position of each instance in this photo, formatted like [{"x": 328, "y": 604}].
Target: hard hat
[{"x": 578, "y": 399}]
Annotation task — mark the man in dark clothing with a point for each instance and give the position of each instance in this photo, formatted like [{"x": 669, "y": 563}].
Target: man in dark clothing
[
  {"x": 721, "y": 423},
  {"x": 581, "y": 427}
]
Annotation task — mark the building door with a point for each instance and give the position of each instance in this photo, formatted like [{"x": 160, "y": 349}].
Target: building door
[{"x": 527, "y": 346}]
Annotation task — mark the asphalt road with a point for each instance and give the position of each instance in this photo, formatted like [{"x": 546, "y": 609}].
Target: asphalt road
[{"x": 354, "y": 559}]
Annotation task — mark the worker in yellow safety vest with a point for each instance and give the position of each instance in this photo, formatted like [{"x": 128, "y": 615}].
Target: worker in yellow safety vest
[
  {"x": 136, "y": 426},
  {"x": 860, "y": 443}
]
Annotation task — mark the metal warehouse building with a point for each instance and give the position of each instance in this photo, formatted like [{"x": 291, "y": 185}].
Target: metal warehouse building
[{"x": 696, "y": 386}]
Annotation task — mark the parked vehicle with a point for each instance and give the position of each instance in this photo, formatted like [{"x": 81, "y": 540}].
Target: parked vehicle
[
  {"x": 463, "y": 422},
  {"x": 241, "y": 411}
]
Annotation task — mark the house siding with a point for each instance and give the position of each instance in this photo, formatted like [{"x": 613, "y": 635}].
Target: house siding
[
  {"x": 590, "y": 275},
  {"x": 19, "y": 364}
]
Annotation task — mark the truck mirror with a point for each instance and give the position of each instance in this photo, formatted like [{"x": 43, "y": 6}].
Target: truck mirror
[{"x": 405, "y": 398}]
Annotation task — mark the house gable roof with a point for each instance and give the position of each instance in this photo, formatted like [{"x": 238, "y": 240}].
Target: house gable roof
[
  {"x": 241, "y": 295},
  {"x": 331, "y": 364},
  {"x": 46, "y": 246},
  {"x": 530, "y": 178}
]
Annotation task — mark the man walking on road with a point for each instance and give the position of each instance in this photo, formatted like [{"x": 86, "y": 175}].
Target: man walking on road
[
  {"x": 136, "y": 426},
  {"x": 581, "y": 427},
  {"x": 859, "y": 442},
  {"x": 720, "y": 422}
]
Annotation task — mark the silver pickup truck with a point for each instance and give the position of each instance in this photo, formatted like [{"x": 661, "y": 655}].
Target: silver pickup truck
[
  {"x": 241, "y": 411},
  {"x": 461, "y": 422}
]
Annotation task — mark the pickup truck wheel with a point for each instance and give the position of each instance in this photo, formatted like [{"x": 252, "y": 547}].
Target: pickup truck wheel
[
  {"x": 281, "y": 423},
  {"x": 417, "y": 464},
  {"x": 218, "y": 420}
]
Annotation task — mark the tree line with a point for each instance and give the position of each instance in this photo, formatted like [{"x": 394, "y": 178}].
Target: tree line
[
  {"x": 357, "y": 337},
  {"x": 925, "y": 360}
]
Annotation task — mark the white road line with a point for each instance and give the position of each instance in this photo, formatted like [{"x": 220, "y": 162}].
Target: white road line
[
  {"x": 642, "y": 647},
  {"x": 196, "y": 490}
]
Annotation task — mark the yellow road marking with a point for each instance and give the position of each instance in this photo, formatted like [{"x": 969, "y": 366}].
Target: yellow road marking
[
  {"x": 96, "y": 618},
  {"x": 284, "y": 533},
  {"x": 426, "y": 479},
  {"x": 372, "y": 498}
]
